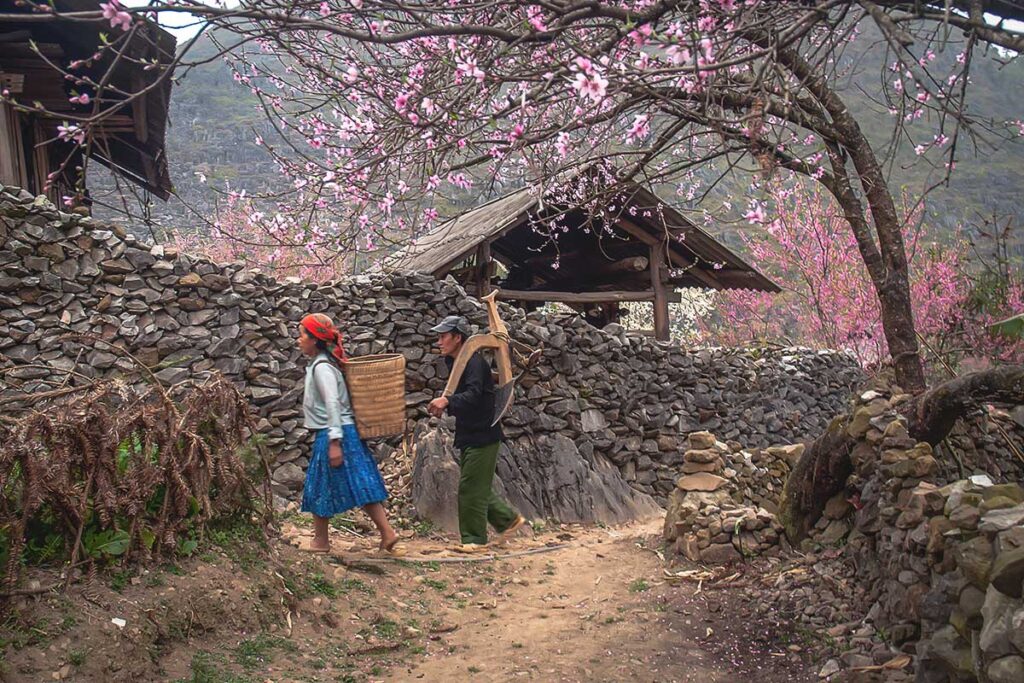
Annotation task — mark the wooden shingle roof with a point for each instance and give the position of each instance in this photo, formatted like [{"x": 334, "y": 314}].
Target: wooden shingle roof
[{"x": 440, "y": 250}]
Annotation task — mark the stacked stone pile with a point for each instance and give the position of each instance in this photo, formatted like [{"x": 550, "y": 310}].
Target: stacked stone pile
[{"x": 707, "y": 519}]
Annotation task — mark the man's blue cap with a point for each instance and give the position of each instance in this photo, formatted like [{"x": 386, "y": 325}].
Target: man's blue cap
[{"x": 452, "y": 323}]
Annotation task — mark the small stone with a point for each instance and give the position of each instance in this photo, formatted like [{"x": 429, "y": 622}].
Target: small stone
[
  {"x": 703, "y": 455},
  {"x": 965, "y": 516},
  {"x": 997, "y": 612},
  {"x": 837, "y": 506},
  {"x": 701, "y": 440},
  {"x": 1007, "y": 670},
  {"x": 974, "y": 558},
  {"x": 1007, "y": 573},
  {"x": 996, "y": 503},
  {"x": 1000, "y": 520},
  {"x": 720, "y": 553},
  {"x": 831, "y": 668},
  {"x": 190, "y": 280},
  {"x": 834, "y": 532},
  {"x": 701, "y": 481}
]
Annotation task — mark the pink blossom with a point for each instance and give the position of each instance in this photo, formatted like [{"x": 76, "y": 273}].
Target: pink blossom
[
  {"x": 536, "y": 18},
  {"x": 468, "y": 67},
  {"x": 583, "y": 64},
  {"x": 595, "y": 86},
  {"x": 679, "y": 55},
  {"x": 640, "y": 35},
  {"x": 562, "y": 144},
  {"x": 113, "y": 12},
  {"x": 755, "y": 215},
  {"x": 82, "y": 99},
  {"x": 639, "y": 130},
  {"x": 68, "y": 132}
]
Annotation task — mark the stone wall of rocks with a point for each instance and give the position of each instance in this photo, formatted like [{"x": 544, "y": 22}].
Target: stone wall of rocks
[
  {"x": 945, "y": 560},
  {"x": 625, "y": 401},
  {"x": 933, "y": 561},
  {"x": 942, "y": 561}
]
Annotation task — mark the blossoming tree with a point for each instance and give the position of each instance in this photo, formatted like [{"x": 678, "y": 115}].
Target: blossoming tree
[{"x": 382, "y": 106}]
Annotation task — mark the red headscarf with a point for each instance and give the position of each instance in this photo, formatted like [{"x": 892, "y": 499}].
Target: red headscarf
[{"x": 321, "y": 327}]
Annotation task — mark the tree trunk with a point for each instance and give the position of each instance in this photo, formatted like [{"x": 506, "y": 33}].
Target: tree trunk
[{"x": 824, "y": 467}]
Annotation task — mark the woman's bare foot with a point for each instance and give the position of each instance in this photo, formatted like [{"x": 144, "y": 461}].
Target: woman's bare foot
[
  {"x": 388, "y": 542},
  {"x": 314, "y": 547}
]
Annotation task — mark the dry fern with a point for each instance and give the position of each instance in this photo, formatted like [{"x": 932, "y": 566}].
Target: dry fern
[{"x": 147, "y": 468}]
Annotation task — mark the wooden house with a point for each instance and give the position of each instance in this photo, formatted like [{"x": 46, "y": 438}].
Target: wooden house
[{"x": 128, "y": 138}]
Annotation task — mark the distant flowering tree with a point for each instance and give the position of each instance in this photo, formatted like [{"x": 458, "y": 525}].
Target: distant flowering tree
[
  {"x": 829, "y": 302},
  {"x": 383, "y": 107},
  {"x": 240, "y": 232}
]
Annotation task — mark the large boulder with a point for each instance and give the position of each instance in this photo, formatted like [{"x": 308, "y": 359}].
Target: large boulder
[
  {"x": 435, "y": 478},
  {"x": 549, "y": 476},
  {"x": 546, "y": 477}
]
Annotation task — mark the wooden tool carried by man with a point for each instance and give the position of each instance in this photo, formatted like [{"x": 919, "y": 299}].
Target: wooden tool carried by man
[{"x": 504, "y": 347}]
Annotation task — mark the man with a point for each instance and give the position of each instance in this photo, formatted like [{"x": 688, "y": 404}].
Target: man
[{"x": 477, "y": 440}]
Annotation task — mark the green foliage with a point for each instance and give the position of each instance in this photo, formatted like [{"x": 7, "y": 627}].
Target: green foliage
[
  {"x": 256, "y": 652},
  {"x": 105, "y": 544},
  {"x": 1011, "y": 328},
  {"x": 639, "y": 586},
  {"x": 318, "y": 583}
]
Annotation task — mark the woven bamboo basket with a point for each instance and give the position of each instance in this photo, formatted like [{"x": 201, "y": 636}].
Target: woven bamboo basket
[{"x": 376, "y": 387}]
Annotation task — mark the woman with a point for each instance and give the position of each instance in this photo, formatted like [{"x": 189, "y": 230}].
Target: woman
[{"x": 341, "y": 474}]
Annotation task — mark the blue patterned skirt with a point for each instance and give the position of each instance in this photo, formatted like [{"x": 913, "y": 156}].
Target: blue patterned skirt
[{"x": 330, "y": 490}]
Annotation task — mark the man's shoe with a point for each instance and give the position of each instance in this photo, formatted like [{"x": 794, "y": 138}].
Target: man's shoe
[
  {"x": 471, "y": 548},
  {"x": 511, "y": 530}
]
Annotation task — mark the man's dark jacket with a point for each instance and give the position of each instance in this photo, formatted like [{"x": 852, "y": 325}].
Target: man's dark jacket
[{"x": 472, "y": 404}]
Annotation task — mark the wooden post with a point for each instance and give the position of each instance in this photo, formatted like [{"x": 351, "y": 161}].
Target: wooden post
[
  {"x": 661, "y": 332},
  {"x": 483, "y": 269}
]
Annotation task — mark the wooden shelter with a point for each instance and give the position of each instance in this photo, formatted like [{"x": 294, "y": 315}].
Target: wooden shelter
[
  {"x": 640, "y": 250},
  {"x": 129, "y": 139}
]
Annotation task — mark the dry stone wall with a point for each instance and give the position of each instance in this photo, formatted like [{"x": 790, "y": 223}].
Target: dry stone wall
[
  {"x": 625, "y": 402},
  {"x": 929, "y": 543}
]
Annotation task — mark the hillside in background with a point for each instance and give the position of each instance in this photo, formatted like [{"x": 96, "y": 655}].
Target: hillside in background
[{"x": 214, "y": 122}]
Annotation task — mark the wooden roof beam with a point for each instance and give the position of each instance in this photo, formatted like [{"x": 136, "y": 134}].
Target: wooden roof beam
[
  {"x": 582, "y": 297},
  {"x": 678, "y": 259}
]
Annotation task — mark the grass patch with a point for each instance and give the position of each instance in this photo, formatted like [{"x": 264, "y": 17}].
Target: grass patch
[
  {"x": 207, "y": 667},
  {"x": 119, "y": 580},
  {"x": 349, "y": 585},
  {"x": 436, "y": 584},
  {"x": 318, "y": 583},
  {"x": 241, "y": 540},
  {"x": 256, "y": 652},
  {"x": 639, "y": 586},
  {"x": 387, "y": 629}
]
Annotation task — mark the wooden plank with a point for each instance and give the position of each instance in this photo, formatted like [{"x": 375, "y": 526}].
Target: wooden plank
[
  {"x": 139, "y": 107},
  {"x": 483, "y": 269},
  {"x": 12, "y": 82},
  {"x": 661, "y": 329},
  {"x": 676, "y": 258},
  {"x": 580, "y": 297},
  {"x": 41, "y": 163},
  {"x": 10, "y": 148}
]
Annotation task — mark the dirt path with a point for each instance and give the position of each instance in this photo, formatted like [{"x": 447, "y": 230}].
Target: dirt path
[
  {"x": 597, "y": 609},
  {"x": 572, "y": 603}
]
